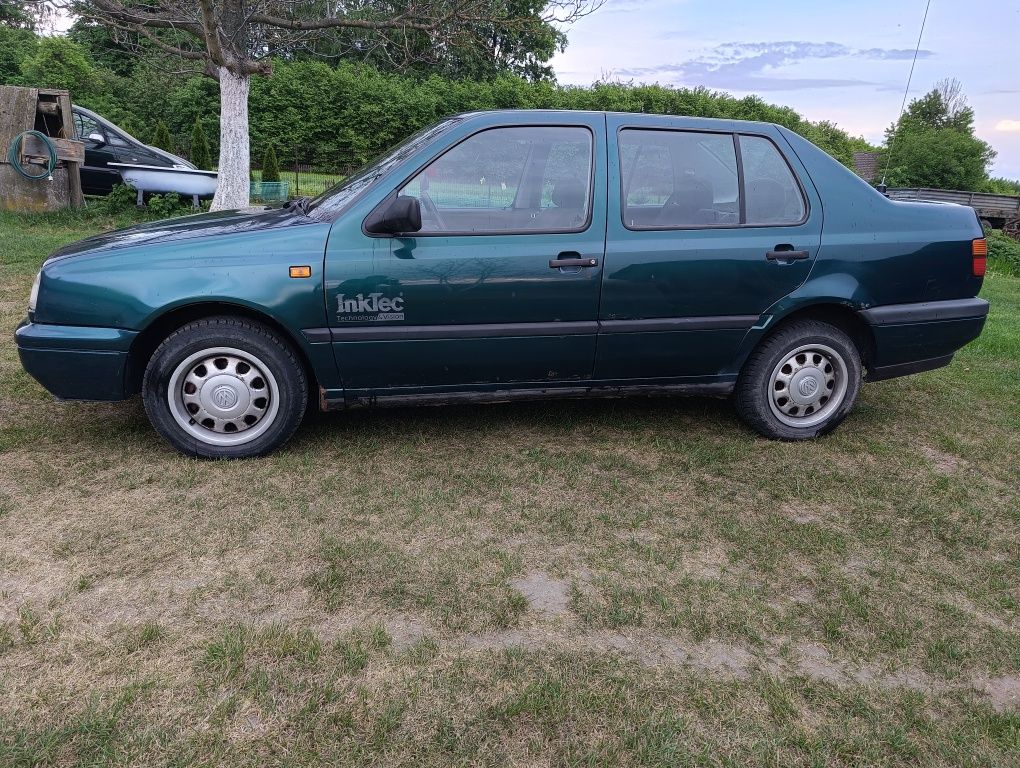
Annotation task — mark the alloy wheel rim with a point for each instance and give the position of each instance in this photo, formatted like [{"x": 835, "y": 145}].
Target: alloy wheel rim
[
  {"x": 223, "y": 396},
  {"x": 808, "y": 385}
]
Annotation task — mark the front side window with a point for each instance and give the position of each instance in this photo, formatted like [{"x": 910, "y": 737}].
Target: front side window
[
  {"x": 772, "y": 193},
  {"x": 675, "y": 179},
  {"x": 504, "y": 180},
  {"x": 335, "y": 199},
  {"x": 85, "y": 126}
]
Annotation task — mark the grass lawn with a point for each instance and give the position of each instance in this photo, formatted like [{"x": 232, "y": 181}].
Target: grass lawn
[{"x": 639, "y": 582}]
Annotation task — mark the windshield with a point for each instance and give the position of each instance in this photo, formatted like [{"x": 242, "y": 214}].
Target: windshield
[{"x": 333, "y": 200}]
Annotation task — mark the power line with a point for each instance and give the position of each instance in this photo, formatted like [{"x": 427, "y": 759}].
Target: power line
[{"x": 903, "y": 104}]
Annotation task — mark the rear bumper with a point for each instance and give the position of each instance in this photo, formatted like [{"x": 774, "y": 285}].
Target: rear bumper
[
  {"x": 74, "y": 362},
  {"x": 910, "y": 338}
]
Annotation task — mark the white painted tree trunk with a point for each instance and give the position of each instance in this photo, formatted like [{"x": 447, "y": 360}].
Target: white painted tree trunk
[{"x": 235, "y": 150}]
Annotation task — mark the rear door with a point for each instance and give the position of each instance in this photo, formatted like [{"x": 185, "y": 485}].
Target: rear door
[
  {"x": 707, "y": 229},
  {"x": 500, "y": 286}
]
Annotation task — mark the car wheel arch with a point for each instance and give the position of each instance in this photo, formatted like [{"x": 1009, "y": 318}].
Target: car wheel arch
[
  {"x": 168, "y": 321},
  {"x": 839, "y": 314}
]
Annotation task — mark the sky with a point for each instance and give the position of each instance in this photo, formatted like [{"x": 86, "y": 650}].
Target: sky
[{"x": 845, "y": 61}]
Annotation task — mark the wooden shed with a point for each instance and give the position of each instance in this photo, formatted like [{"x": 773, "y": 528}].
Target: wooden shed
[{"x": 49, "y": 112}]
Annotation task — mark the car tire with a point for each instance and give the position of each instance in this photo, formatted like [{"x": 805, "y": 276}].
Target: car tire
[
  {"x": 225, "y": 388},
  {"x": 799, "y": 383}
]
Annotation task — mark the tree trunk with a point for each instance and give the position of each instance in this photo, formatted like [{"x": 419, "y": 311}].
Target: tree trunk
[{"x": 235, "y": 150}]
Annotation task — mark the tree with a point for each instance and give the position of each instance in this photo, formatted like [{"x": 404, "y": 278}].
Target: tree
[
  {"x": 16, "y": 46},
  {"x": 16, "y": 14},
  {"x": 950, "y": 90},
  {"x": 60, "y": 63},
  {"x": 232, "y": 40},
  {"x": 270, "y": 165},
  {"x": 941, "y": 158},
  {"x": 161, "y": 137},
  {"x": 29, "y": 14},
  {"x": 103, "y": 47},
  {"x": 933, "y": 143},
  {"x": 522, "y": 49},
  {"x": 835, "y": 141},
  {"x": 200, "y": 155}
]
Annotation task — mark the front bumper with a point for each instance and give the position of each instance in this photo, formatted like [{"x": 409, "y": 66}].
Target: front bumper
[
  {"x": 910, "y": 338},
  {"x": 76, "y": 362}
]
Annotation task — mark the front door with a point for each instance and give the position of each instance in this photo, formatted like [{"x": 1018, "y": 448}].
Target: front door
[
  {"x": 499, "y": 288},
  {"x": 708, "y": 229},
  {"x": 97, "y": 178}
]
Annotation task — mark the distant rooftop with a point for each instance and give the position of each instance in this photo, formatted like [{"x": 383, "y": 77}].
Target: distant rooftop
[{"x": 866, "y": 165}]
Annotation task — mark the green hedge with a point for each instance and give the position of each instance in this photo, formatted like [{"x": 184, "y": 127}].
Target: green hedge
[{"x": 347, "y": 114}]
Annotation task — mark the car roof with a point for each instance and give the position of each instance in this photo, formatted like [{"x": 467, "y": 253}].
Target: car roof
[
  {"x": 88, "y": 112},
  {"x": 633, "y": 118}
]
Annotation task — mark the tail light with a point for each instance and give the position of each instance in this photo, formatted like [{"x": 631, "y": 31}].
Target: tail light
[{"x": 979, "y": 254}]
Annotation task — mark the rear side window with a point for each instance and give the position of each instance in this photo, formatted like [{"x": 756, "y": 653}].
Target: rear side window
[
  {"x": 685, "y": 179},
  {"x": 772, "y": 195},
  {"x": 117, "y": 141},
  {"x": 505, "y": 180},
  {"x": 678, "y": 179}
]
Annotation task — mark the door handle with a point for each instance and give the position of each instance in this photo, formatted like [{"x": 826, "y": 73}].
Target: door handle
[
  {"x": 572, "y": 259},
  {"x": 785, "y": 252}
]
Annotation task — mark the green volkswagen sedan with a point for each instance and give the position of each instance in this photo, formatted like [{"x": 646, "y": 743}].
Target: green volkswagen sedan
[{"x": 520, "y": 254}]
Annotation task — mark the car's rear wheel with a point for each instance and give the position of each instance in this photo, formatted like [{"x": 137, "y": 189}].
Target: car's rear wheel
[
  {"x": 801, "y": 382},
  {"x": 225, "y": 388}
]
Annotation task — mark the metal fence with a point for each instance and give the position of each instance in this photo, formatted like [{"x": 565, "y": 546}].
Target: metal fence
[{"x": 307, "y": 179}]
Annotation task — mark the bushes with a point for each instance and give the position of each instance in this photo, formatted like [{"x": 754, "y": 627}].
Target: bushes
[
  {"x": 1004, "y": 253},
  {"x": 120, "y": 204},
  {"x": 120, "y": 200},
  {"x": 168, "y": 205},
  {"x": 1000, "y": 186}
]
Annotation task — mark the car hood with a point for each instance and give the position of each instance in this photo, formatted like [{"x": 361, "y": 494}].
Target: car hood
[{"x": 201, "y": 225}]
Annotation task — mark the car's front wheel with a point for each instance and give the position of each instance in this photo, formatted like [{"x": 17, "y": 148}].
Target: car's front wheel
[
  {"x": 801, "y": 382},
  {"x": 225, "y": 387}
]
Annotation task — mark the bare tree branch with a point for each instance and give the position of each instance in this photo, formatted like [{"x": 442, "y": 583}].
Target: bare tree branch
[{"x": 128, "y": 15}]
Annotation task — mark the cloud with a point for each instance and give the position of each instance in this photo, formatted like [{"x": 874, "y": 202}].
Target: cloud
[
  {"x": 1008, "y": 125},
  {"x": 749, "y": 66}
]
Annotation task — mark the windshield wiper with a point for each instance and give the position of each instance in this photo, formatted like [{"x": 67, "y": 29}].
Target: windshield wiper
[{"x": 299, "y": 203}]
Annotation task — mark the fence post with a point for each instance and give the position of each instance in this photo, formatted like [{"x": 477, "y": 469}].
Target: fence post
[{"x": 297, "y": 175}]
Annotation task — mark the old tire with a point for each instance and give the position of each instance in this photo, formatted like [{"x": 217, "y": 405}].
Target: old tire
[
  {"x": 225, "y": 388},
  {"x": 799, "y": 383}
]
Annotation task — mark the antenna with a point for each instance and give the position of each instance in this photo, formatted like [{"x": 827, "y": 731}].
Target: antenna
[{"x": 892, "y": 144}]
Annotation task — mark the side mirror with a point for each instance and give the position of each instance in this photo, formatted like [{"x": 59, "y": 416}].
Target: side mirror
[
  {"x": 395, "y": 216},
  {"x": 98, "y": 138}
]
